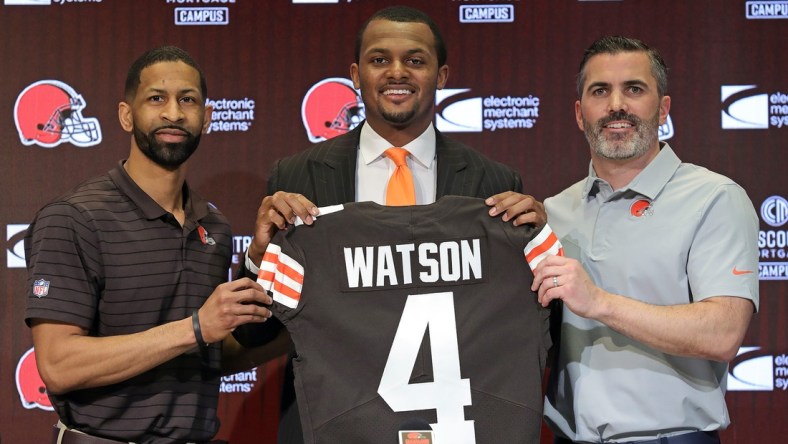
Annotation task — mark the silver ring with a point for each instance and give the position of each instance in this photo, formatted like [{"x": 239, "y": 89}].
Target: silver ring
[{"x": 555, "y": 281}]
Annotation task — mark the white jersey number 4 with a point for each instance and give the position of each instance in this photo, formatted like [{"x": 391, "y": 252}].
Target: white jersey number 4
[{"x": 449, "y": 393}]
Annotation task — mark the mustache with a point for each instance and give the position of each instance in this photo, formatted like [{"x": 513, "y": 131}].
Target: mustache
[
  {"x": 619, "y": 115},
  {"x": 175, "y": 127},
  {"x": 398, "y": 83}
]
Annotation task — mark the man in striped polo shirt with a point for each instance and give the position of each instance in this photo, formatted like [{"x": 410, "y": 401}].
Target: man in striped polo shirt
[{"x": 127, "y": 300}]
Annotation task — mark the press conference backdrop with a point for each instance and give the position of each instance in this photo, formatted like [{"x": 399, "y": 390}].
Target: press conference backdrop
[{"x": 278, "y": 70}]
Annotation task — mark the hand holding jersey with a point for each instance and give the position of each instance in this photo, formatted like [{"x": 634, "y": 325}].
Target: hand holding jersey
[
  {"x": 282, "y": 208},
  {"x": 520, "y": 209},
  {"x": 444, "y": 270},
  {"x": 275, "y": 213},
  {"x": 230, "y": 305}
]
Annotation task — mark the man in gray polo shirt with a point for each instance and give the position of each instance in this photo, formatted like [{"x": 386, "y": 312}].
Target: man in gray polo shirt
[
  {"x": 127, "y": 296},
  {"x": 660, "y": 276}
]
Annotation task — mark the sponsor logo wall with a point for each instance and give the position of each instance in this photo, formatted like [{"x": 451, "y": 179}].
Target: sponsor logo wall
[
  {"x": 748, "y": 107},
  {"x": 278, "y": 82},
  {"x": 754, "y": 371},
  {"x": 231, "y": 115},
  {"x": 767, "y": 10},
  {"x": 773, "y": 241},
  {"x": 457, "y": 112},
  {"x": 486, "y": 13},
  {"x": 15, "y": 254}
]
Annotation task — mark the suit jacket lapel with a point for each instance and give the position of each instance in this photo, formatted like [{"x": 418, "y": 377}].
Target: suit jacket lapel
[
  {"x": 456, "y": 176},
  {"x": 333, "y": 169}
]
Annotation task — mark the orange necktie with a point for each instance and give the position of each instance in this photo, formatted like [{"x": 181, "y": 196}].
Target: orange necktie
[{"x": 400, "y": 189}]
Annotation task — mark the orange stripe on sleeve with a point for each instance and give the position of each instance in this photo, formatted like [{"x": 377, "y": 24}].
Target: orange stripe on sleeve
[
  {"x": 280, "y": 287},
  {"x": 291, "y": 273},
  {"x": 543, "y": 247},
  {"x": 265, "y": 275}
]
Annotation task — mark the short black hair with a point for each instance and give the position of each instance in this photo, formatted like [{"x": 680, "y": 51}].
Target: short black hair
[
  {"x": 405, "y": 14},
  {"x": 157, "y": 55},
  {"x": 616, "y": 44}
]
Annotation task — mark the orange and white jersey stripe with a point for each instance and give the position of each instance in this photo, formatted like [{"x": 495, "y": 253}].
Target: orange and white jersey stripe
[
  {"x": 545, "y": 244},
  {"x": 282, "y": 276}
]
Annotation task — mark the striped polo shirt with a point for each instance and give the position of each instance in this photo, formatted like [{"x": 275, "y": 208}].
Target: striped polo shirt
[{"x": 106, "y": 257}]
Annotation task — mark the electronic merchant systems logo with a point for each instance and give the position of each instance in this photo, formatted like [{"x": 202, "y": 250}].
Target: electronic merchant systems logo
[
  {"x": 241, "y": 382},
  {"x": 752, "y": 371},
  {"x": 748, "y": 107},
  {"x": 773, "y": 242},
  {"x": 231, "y": 115},
  {"x": 457, "y": 111},
  {"x": 486, "y": 13},
  {"x": 767, "y": 10},
  {"x": 15, "y": 245}
]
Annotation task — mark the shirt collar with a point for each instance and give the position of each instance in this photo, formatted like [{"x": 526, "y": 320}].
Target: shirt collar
[
  {"x": 195, "y": 207},
  {"x": 648, "y": 182},
  {"x": 422, "y": 148}
]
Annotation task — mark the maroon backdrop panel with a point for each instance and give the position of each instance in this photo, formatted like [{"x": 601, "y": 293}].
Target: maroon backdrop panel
[{"x": 510, "y": 94}]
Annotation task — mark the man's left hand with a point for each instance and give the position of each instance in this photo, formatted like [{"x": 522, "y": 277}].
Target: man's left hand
[{"x": 519, "y": 208}]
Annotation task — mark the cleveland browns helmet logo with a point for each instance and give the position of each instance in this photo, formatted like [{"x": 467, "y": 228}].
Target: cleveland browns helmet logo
[
  {"x": 29, "y": 384},
  {"x": 331, "y": 107},
  {"x": 49, "y": 112}
]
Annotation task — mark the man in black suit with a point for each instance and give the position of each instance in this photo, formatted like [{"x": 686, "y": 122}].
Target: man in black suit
[{"x": 400, "y": 63}]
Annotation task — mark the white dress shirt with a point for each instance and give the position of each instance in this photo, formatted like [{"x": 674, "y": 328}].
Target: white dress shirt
[{"x": 373, "y": 168}]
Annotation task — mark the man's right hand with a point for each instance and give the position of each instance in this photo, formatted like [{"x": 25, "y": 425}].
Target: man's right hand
[
  {"x": 232, "y": 304},
  {"x": 275, "y": 213}
]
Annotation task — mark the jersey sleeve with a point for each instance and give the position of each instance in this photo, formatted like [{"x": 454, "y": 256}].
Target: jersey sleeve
[
  {"x": 282, "y": 278},
  {"x": 282, "y": 274},
  {"x": 63, "y": 264},
  {"x": 723, "y": 258},
  {"x": 544, "y": 244}
]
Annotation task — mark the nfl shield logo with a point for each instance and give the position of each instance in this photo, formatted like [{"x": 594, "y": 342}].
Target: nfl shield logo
[{"x": 41, "y": 288}]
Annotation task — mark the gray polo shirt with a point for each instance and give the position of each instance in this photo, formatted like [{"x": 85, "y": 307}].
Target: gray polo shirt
[{"x": 678, "y": 233}]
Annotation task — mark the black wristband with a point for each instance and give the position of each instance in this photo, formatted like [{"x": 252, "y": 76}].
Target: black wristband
[{"x": 197, "y": 331}]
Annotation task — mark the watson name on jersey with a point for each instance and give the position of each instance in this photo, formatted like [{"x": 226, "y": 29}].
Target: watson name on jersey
[{"x": 419, "y": 314}]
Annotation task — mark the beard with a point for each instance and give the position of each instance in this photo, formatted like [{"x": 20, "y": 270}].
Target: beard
[
  {"x": 398, "y": 117},
  {"x": 167, "y": 155},
  {"x": 622, "y": 146}
]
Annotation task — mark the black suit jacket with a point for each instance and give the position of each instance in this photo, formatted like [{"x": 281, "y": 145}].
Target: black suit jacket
[
  {"x": 326, "y": 175},
  {"x": 326, "y": 172}
]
